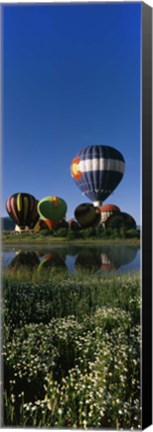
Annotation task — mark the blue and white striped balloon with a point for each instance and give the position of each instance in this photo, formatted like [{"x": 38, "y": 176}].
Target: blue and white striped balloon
[{"x": 97, "y": 171}]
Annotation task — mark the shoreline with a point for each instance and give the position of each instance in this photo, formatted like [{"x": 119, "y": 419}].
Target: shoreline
[{"x": 65, "y": 242}]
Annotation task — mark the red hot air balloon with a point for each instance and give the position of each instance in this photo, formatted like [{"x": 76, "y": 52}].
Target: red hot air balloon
[
  {"x": 22, "y": 208},
  {"x": 107, "y": 210}
]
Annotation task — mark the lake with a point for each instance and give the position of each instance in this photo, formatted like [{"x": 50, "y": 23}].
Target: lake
[{"x": 105, "y": 258}]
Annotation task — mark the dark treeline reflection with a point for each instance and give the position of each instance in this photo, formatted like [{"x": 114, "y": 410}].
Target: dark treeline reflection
[{"x": 106, "y": 258}]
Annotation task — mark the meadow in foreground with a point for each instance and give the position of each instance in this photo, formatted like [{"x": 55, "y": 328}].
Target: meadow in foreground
[{"x": 71, "y": 350}]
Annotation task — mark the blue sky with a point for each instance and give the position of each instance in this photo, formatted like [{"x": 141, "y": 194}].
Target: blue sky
[{"x": 71, "y": 78}]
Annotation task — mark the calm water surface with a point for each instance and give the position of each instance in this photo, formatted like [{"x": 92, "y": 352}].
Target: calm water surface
[{"x": 98, "y": 258}]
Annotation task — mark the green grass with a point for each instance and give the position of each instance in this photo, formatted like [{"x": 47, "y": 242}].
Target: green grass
[
  {"x": 72, "y": 349},
  {"x": 81, "y": 236}
]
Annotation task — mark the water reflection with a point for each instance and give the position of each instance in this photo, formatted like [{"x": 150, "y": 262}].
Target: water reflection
[
  {"x": 24, "y": 259},
  {"x": 88, "y": 260},
  {"x": 108, "y": 258},
  {"x": 52, "y": 261},
  {"x": 114, "y": 258}
]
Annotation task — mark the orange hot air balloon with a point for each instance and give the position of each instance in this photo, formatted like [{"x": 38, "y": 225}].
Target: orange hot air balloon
[
  {"x": 44, "y": 224},
  {"x": 50, "y": 224}
]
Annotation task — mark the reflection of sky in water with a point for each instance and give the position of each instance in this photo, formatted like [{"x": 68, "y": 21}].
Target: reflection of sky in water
[
  {"x": 107, "y": 254},
  {"x": 70, "y": 262},
  {"x": 7, "y": 258},
  {"x": 133, "y": 265}
]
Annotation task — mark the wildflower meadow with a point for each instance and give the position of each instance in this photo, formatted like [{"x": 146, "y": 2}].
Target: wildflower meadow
[{"x": 71, "y": 351}]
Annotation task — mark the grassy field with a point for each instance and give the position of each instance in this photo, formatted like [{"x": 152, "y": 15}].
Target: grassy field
[
  {"x": 71, "y": 350},
  {"x": 81, "y": 236}
]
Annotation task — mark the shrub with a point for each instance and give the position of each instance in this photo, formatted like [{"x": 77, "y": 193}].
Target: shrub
[
  {"x": 123, "y": 232},
  {"x": 46, "y": 232},
  {"x": 133, "y": 233},
  {"x": 61, "y": 232}
]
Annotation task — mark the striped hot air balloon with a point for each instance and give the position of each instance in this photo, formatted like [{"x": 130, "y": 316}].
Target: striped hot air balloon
[
  {"x": 97, "y": 171},
  {"x": 22, "y": 208}
]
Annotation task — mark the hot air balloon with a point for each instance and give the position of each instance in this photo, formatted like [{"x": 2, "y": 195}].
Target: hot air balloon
[
  {"x": 107, "y": 210},
  {"x": 52, "y": 208},
  {"x": 22, "y": 208},
  {"x": 121, "y": 220},
  {"x": 87, "y": 215},
  {"x": 44, "y": 225},
  {"x": 73, "y": 224},
  {"x": 97, "y": 171},
  {"x": 62, "y": 224}
]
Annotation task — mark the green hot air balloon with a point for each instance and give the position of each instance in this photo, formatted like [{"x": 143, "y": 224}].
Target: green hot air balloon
[{"x": 52, "y": 208}]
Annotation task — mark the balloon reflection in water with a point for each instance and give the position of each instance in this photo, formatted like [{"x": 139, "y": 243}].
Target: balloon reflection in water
[
  {"x": 27, "y": 260},
  {"x": 107, "y": 258},
  {"x": 88, "y": 260},
  {"x": 52, "y": 261},
  {"x": 122, "y": 255},
  {"x": 106, "y": 264}
]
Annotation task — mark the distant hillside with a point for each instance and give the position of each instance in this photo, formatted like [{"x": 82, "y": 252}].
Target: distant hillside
[{"x": 7, "y": 224}]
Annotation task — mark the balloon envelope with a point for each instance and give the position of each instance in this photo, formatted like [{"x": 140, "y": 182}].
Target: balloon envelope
[
  {"x": 87, "y": 215},
  {"x": 73, "y": 224},
  {"x": 22, "y": 208},
  {"x": 62, "y": 224},
  {"x": 107, "y": 210},
  {"x": 97, "y": 171},
  {"x": 121, "y": 220},
  {"x": 52, "y": 208},
  {"x": 44, "y": 225}
]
